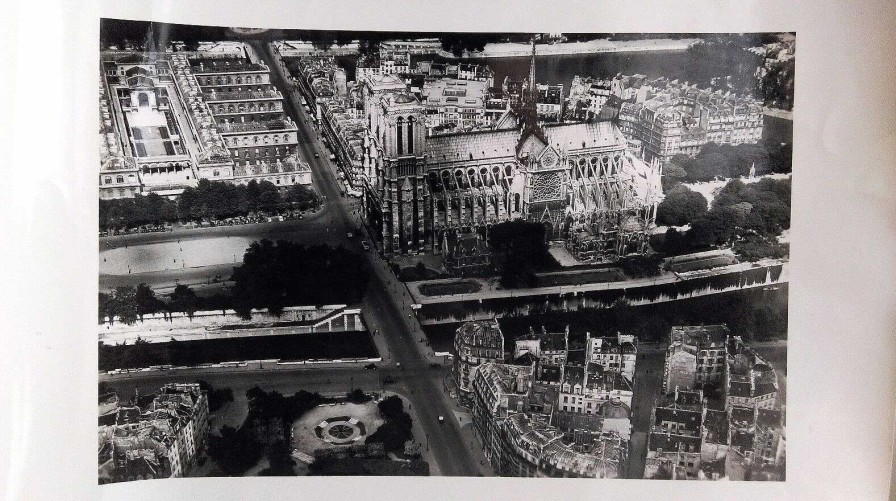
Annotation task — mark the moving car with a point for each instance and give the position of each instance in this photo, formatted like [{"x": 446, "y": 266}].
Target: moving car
[
  {"x": 366, "y": 245},
  {"x": 441, "y": 419}
]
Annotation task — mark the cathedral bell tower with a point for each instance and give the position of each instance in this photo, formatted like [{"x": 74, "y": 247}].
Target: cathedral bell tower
[{"x": 402, "y": 138}]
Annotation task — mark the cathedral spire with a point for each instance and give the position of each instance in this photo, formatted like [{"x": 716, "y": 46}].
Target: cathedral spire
[
  {"x": 529, "y": 109},
  {"x": 532, "y": 68}
]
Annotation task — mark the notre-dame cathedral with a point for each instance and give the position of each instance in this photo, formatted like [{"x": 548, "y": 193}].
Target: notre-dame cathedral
[{"x": 579, "y": 179}]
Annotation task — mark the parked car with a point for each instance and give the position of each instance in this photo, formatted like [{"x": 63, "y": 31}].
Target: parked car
[
  {"x": 434, "y": 365},
  {"x": 388, "y": 380},
  {"x": 366, "y": 245},
  {"x": 370, "y": 366},
  {"x": 441, "y": 419}
]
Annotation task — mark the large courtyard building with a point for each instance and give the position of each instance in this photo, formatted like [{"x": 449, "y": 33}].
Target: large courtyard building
[
  {"x": 168, "y": 119},
  {"x": 248, "y": 113},
  {"x": 145, "y": 134}
]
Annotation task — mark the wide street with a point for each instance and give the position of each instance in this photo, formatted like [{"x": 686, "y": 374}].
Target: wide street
[{"x": 386, "y": 307}]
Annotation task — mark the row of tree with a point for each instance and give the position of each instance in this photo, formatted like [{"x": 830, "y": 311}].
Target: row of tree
[
  {"x": 755, "y": 314},
  {"x": 222, "y": 200},
  {"x": 723, "y": 161},
  {"x": 127, "y": 304},
  {"x": 746, "y": 72},
  {"x": 207, "y": 201},
  {"x": 138, "y": 211}
]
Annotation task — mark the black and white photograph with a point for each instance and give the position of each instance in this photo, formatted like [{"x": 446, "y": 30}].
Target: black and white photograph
[
  {"x": 502, "y": 250},
  {"x": 379, "y": 253}
]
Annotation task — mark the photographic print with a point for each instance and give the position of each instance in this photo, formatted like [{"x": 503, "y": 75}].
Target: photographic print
[{"x": 443, "y": 253}]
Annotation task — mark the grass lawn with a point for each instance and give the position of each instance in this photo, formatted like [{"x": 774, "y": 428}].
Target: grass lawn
[
  {"x": 585, "y": 277},
  {"x": 446, "y": 289},
  {"x": 702, "y": 263}
]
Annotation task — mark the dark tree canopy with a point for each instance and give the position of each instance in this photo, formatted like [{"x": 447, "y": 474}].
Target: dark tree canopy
[
  {"x": 208, "y": 200},
  {"x": 264, "y": 432},
  {"x": 640, "y": 266},
  {"x": 397, "y": 427},
  {"x": 680, "y": 206},
  {"x": 522, "y": 249},
  {"x": 727, "y": 161},
  {"x": 749, "y": 216},
  {"x": 276, "y": 275},
  {"x": 130, "y": 212},
  {"x": 146, "y": 301},
  {"x": 674, "y": 173},
  {"x": 125, "y": 304},
  {"x": 184, "y": 299}
]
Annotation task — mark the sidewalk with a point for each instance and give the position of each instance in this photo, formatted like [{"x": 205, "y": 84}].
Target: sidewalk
[
  {"x": 379, "y": 341},
  {"x": 419, "y": 434},
  {"x": 468, "y": 433}
]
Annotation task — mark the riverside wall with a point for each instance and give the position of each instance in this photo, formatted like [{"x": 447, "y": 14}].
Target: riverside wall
[
  {"x": 464, "y": 310},
  {"x": 208, "y": 325}
]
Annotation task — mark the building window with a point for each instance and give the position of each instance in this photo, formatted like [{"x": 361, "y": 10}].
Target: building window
[
  {"x": 399, "y": 124},
  {"x": 119, "y": 179},
  {"x": 108, "y": 179}
]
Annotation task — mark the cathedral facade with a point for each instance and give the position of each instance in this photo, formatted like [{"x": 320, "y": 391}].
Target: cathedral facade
[{"x": 578, "y": 179}]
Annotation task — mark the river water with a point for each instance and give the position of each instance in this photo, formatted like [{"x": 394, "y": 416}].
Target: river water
[{"x": 740, "y": 309}]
